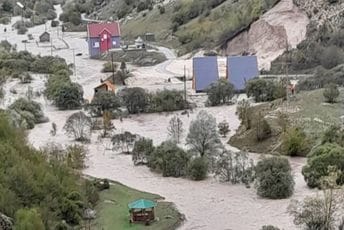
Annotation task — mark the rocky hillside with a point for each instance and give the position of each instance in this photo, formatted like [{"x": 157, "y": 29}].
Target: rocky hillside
[
  {"x": 323, "y": 48},
  {"x": 268, "y": 37}
]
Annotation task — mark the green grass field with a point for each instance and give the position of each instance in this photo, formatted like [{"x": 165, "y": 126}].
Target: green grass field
[
  {"x": 113, "y": 213},
  {"x": 306, "y": 110}
]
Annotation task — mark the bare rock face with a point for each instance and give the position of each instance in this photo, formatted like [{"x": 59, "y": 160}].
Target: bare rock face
[
  {"x": 5, "y": 222},
  {"x": 283, "y": 25}
]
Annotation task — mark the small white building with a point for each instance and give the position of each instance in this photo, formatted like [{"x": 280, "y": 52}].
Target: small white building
[{"x": 139, "y": 43}]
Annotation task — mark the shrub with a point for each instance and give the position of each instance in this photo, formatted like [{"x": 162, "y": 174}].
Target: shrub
[
  {"x": 295, "y": 143},
  {"x": 319, "y": 161},
  {"x": 109, "y": 67},
  {"x": 104, "y": 101},
  {"x": 220, "y": 93},
  {"x": 169, "y": 159},
  {"x": 142, "y": 150},
  {"x": 264, "y": 90},
  {"x": 263, "y": 129},
  {"x": 135, "y": 99},
  {"x": 31, "y": 107},
  {"x": 198, "y": 169},
  {"x": 167, "y": 100},
  {"x": 331, "y": 57},
  {"x": 331, "y": 93},
  {"x": 334, "y": 134},
  {"x": 274, "y": 179},
  {"x": 69, "y": 96}
]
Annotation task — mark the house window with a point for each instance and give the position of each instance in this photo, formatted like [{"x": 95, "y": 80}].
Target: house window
[
  {"x": 114, "y": 43},
  {"x": 96, "y": 45}
]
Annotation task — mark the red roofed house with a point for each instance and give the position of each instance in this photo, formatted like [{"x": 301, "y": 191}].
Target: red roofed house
[{"x": 102, "y": 36}]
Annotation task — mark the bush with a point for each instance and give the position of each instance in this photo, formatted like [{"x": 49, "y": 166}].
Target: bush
[
  {"x": 198, "y": 169},
  {"x": 319, "y": 161},
  {"x": 274, "y": 179},
  {"x": 334, "y": 134},
  {"x": 69, "y": 96},
  {"x": 263, "y": 129},
  {"x": 104, "y": 101},
  {"x": 265, "y": 90},
  {"x": 142, "y": 150},
  {"x": 135, "y": 99},
  {"x": 220, "y": 93},
  {"x": 169, "y": 159},
  {"x": 331, "y": 93},
  {"x": 109, "y": 67},
  {"x": 331, "y": 57},
  {"x": 167, "y": 100},
  {"x": 295, "y": 143}
]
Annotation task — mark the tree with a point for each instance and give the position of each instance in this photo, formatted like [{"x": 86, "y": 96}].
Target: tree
[
  {"x": 28, "y": 219},
  {"x": 198, "y": 169},
  {"x": 107, "y": 124},
  {"x": 273, "y": 178},
  {"x": 223, "y": 128},
  {"x": 135, "y": 99},
  {"x": 295, "y": 143},
  {"x": 142, "y": 150},
  {"x": 175, "y": 129},
  {"x": 331, "y": 93},
  {"x": 203, "y": 137},
  {"x": 124, "y": 141},
  {"x": 69, "y": 96},
  {"x": 234, "y": 167},
  {"x": 318, "y": 162},
  {"x": 53, "y": 129},
  {"x": 169, "y": 159},
  {"x": 104, "y": 101},
  {"x": 244, "y": 113},
  {"x": 79, "y": 126},
  {"x": 319, "y": 212},
  {"x": 220, "y": 92},
  {"x": 76, "y": 156}
]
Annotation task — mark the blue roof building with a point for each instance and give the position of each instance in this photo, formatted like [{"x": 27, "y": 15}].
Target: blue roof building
[
  {"x": 205, "y": 72},
  {"x": 240, "y": 69}
]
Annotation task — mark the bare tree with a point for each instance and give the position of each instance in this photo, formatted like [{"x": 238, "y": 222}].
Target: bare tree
[
  {"x": 79, "y": 126},
  {"x": 175, "y": 129},
  {"x": 203, "y": 137}
]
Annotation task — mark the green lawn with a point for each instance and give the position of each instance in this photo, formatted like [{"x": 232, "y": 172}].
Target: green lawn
[{"x": 113, "y": 213}]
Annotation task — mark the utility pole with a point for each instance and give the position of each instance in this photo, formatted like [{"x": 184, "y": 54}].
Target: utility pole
[
  {"x": 51, "y": 46},
  {"x": 74, "y": 62},
  {"x": 185, "y": 84},
  {"x": 113, "y": 69}
]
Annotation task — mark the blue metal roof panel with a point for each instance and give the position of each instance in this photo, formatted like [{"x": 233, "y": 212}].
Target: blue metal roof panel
[
  {"x": 205, "y": 72},
  {"x": 241, "y": 69}
]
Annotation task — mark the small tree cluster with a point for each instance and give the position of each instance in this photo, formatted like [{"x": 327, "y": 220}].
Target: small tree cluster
[
  {"x": 273, "y": 178},
  {"x": 169, "y": 159},
  {"x": 265, "y": 90},
  {"x": 234, "y": 167},
  {"x": 142, "y": 150},
  {"x": 124, "y": 141},
  {"x": 220, "y": 92}
]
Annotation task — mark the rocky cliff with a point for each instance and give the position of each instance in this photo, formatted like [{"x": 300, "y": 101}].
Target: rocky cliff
[{"x": 268, "y": 37}]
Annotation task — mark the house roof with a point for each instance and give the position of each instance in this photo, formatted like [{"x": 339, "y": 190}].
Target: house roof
[
  {"x": 142, "y": 204},
  {"x": 205, "y": 72},
  {"x": 241, "y": 69},
  {"x": 110, "y": 86},
  {"x": 44, "y": 33},
  {"x": 95, "y": 29}
]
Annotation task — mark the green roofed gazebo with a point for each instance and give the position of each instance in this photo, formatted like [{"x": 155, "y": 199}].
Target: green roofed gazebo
[{"x": 142, "y": 211}]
